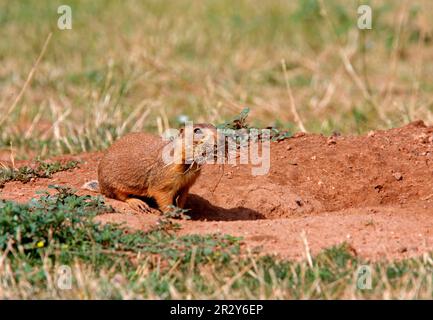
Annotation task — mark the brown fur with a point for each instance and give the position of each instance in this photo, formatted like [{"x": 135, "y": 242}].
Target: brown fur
[{"x": 132, "y": 170}]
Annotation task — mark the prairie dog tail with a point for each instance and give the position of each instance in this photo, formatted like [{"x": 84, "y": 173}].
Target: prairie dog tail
[{"x": 92, "y": 185}]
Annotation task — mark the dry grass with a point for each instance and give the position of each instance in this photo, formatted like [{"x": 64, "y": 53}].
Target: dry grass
[
  {"x": 240, "y": 278},
  {"x": 139, "y": 65}
]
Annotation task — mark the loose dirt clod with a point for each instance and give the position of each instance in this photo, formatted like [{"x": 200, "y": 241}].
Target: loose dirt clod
[
  {"x": 331, "y": 140},
  {"x": 398, "y": 176}
]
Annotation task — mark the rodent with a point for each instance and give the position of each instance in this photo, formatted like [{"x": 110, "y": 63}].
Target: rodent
[{"x": 133, "y": 169}]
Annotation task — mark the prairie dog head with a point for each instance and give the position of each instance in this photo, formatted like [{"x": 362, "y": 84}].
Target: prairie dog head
[
  {"x": 199, "y": 143},
  {"x": 192, "y": 144}
]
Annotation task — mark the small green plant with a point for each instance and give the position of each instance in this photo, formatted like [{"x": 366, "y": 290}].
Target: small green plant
[
  {"x": 279, "y": 135},
  {"x": 53, "y": 219},
  {"x": 240, "y": 123},
  {"x": 39, "y": 170},
  {"x": 62, "y": 226},
  {"x": 166, "y": 223},
  {"x": 113, "y": 262},
  {"x": 177, "y": 213}
]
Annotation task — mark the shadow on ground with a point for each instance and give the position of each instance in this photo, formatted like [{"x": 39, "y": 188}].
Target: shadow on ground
[{"x": 202, "y": 209}]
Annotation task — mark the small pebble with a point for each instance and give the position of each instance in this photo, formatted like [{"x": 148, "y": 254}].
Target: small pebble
[
  {"x": 331, "y": 140},
  {"x": 398, "y": 176}
]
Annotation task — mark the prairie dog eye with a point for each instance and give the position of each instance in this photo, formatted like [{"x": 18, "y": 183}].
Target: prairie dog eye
[{"x": 198, "y": 131}]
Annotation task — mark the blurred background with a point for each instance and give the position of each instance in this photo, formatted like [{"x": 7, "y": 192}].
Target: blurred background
[{"x": 149, "y": 65}]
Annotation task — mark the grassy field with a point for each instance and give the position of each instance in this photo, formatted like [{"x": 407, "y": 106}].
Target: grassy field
[
  {"x": 143, "y": 65},
  {"x": 146, "y": 66},
  {"x": 39, "y": 239}
]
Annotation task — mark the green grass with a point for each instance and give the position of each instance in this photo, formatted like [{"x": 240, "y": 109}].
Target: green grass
[
  {"x": 109, "y": 261},
  {"x": 39, "y": 170}
]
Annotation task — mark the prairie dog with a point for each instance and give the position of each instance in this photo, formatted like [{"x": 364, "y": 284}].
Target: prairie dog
[{"x": 133, "y": 169}]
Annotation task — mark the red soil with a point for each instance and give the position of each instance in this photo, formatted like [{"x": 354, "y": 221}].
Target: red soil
[{"x": 374, "y": 192}]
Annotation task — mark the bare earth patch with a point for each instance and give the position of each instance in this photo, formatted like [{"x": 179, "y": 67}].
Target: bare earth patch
[{"x": 374, "y": 192}]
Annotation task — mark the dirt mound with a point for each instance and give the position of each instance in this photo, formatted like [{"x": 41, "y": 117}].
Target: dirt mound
[
  {"x": 374, "y": 191},
  {"x": 311, "y": 173}
]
